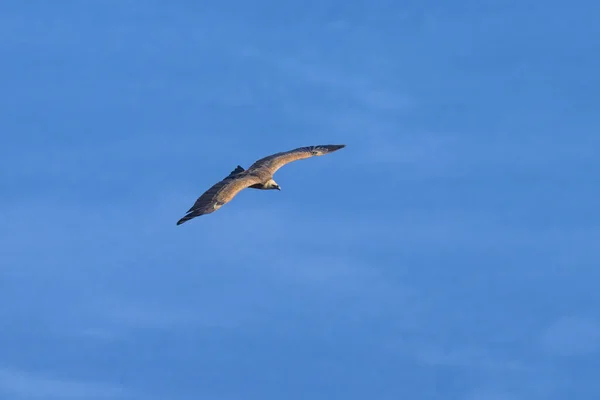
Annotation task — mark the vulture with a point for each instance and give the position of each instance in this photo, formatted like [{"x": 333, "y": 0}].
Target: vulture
[{"x": 258, "y": 176}]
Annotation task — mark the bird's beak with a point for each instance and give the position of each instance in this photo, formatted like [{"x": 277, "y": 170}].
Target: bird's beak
[{"x": 277, "y": 187}]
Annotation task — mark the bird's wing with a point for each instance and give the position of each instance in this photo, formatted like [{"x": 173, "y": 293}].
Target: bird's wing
[
  {"x": 275, "y": 161},
  {"x": 220, "y": 193}
]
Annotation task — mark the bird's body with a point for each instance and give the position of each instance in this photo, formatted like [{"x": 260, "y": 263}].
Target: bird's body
[{"x": 258, "y": 176}]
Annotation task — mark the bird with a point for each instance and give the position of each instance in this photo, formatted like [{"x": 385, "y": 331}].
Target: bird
[{"x": 258, "y": 176}]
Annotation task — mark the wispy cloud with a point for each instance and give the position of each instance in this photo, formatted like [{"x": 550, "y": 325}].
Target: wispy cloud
[
  {"x": 115, "y": 318},
  {"x": 537, "y": 385},
  {"x": 363, "y": 90},
  {"x": 572, "y": 336},
  {"x": 497, "y": 375},
  {"x": 129, "y": 314},
  {"x": 487, "y": 393},
  {"x": 22, "y": 385},
  {"x": 473, "y": 357}
]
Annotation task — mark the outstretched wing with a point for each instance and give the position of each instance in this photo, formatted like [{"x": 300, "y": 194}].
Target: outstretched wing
[
  {"x": 275, "y": 161},
  {"x": 220, "y": 193}
]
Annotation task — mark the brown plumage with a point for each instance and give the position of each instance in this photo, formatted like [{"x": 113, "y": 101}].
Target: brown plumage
[{"x": 258, "y": 176}]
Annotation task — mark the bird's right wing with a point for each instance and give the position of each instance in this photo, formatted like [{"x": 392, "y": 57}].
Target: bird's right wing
[{"x": 220, "y": 193}]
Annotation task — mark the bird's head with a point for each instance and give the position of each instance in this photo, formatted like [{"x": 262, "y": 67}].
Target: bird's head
[{"x": 271, "y": 184}]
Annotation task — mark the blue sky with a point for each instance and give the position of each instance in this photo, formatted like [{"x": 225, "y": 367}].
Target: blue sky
[{"x": 450, "y": 251}]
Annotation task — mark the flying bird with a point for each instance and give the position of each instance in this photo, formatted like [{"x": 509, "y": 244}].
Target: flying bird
[{"x": 258, "y": 176}]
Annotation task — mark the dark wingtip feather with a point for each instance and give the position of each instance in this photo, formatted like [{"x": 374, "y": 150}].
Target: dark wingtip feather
[
  {"x": 185, "y": 218},
  {"x": 334, "y": 147}
]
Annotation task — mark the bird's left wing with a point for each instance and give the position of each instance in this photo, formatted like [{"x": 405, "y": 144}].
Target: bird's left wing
[{"x": 275, "y": 161}]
